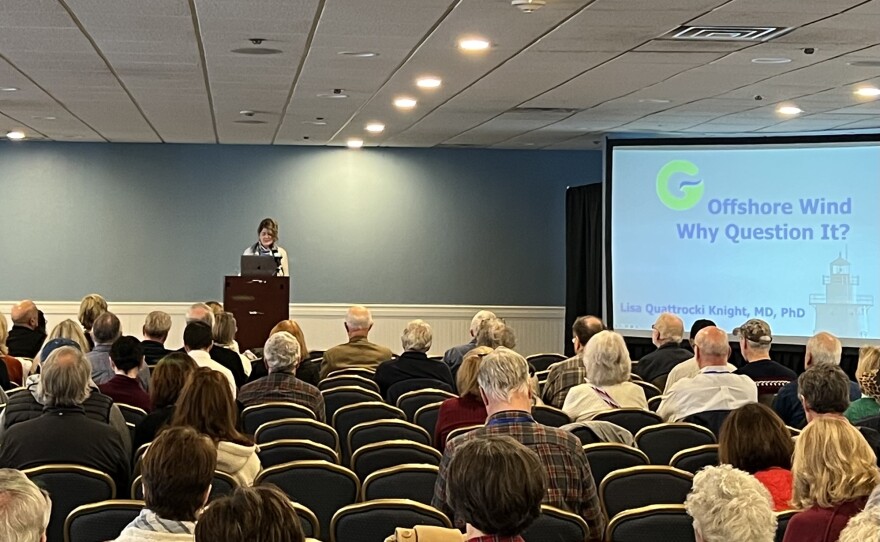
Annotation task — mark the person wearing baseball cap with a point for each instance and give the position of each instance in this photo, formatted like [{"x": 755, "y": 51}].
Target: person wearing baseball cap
[{"x": 770, "y": 376}]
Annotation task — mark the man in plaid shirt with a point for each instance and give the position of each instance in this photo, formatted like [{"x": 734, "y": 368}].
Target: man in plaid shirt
[
  {"x": 570, "y": 373},
  {"x": 504, "y": 385},
  {"x": 281, "y": 355}
]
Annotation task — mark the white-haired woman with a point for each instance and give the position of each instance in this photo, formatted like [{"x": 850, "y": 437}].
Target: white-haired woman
[
  {"x": 607, "y": 386},
  {"x": 865, "y": 526},
  {"x": 728, "y": 504}
]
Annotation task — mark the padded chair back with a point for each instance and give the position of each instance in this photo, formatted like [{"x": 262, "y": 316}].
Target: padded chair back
[
  {"x": 101, "y": 520},
  {"x": 132, "y": 414},
  {"x": 309, "y": 521},
  {"x": 710, "y": 419},
  {"x": 222, "y": 484},
  {"x": 555, "y": 525},
  {"x": 351, "y": 415},
  {"x": 782, "y": 519},
  {"x": 461, "y": 431},
  {"x": 382, "y": 455},
  {"x": 662, "y": 441},
  {"x": 321, "y": 486},
  {"x": 357, "y": 381},
  {"x": 658, "y": 522},
  {"x": 376, "y": 520},
  {"x": 548, "y": 415},
  {"x": 542, "y": 362},
  {"x": 399, "y": 389},
  {"x": 412, "y": 401},
  {"x": 284, "y": 451},
  {"x": 631, "y": 419},
  {"x": 426, "y": 418},
  {"x": 635, "y": 487},
  {"x": 70, "y": 486},
  {"x": 767, "y": 398},
  {"x": 607, "y": 457},
  {"x": 356, "y": 371},
  {"x": 694, "y": 459},
  {"x": 651, "y": 390},
  {"x": 654, "y": 403},
  {"x": 411, "y": 481},
  {"x": 14, "y": 391},
  {"x": 336, "y": 398},
  {"x": 298, "y": 429},
  {"x": 586, "y": 435},
  {"x": 382, "y": 430},
  {"x": 254, "y": 416}
]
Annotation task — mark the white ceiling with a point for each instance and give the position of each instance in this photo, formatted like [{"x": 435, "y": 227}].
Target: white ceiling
[{"x": 163, "y": 70}]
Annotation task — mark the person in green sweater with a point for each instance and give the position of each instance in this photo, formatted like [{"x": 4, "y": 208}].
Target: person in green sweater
[{"x": 868, "y": 375}]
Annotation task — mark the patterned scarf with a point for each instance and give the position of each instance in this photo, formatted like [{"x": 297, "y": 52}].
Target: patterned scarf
[{"x": 149, "y": 521}]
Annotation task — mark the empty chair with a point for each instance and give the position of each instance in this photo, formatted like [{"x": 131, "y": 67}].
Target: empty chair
[
  {"x": 375, "y": 520},
  {"x": 694, "y": 459},
  {"x": 356, "y": 371},
  {"x": 309, "y": 521},
  {"x": 103, "y": 520},
  {"x": 381, "y": 455},
  {"x": 398, "y": 389},
  {"x": 548, "y": 415},
  {"x": 254, "y": 416},
  {"x": 319, "y": 485},
  {"x": 782, "y": 519},
  {"x": 607, "y": 457},
  {"x": 298, "y": 429},
  {"x": 382, "y": 430},
  {"x": 222, "y": 484},
  {"x": 412, "y": 401},
  {"x": 662, "y": 441},
  {"x": 710, "y": 419},
  {"x": 659, "y": 522},
  {"x": 555, "y": 525},
  {"x": 336, "y": 398},
  {"x": 650, "y": 390},
  {"x": 408, "y": 481},
  {"x": 631, "y": 419},
  {"x": 461, "y": 431},
  {"x": 348, "y": 380},
  {"x": 426, "y": 417},
  {"x": 287, "y": 450},
  {"x": 654, "y": 403},
  {"x": 635, "y": 487},
  {"x": 542, "y": 362},
  {"x": 352, "y": 415}
]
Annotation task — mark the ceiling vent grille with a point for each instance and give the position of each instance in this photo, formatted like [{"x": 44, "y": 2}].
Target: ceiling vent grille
[{"x": 727, "y": 33}]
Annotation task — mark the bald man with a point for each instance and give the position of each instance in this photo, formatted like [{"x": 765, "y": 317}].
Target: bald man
[
  {"x": 358, "y": 351},
  {"x": 714, "y": 388},
  {"x": 823, "y": 347},
  {"x": 25, "y": 339},
  {"x": 570, "y": 373},
  {"x": 666, "y": 334}
]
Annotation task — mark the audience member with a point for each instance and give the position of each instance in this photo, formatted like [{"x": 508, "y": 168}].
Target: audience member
[
  {"x": 607, "y": 365},
  {"x": 90, "y": 308},
  {"x": 689, "y": 367},
  {"x": 177, "y": 471},
  {"x": 126, "y": 360},
  {"x": 455, "y": 355},
  {"x": 206, "y": 405},
  {"x": 224, "y": 330},
  {"x": 216, "y": 307},
  {"x": 68, "y": 329},
  {"x": 198, "y": 342},
  {"x": 754, "y": 439},
  {"x": 169, "y": 377},
  {"x": 250, "y": 514},
  {"x": 865, "y": 526},
  {"x": 821, "y": 348},
  {"x": 468, "y": 408},
  {"x": 728, "y": 505},
  {"x": 24, "y": 508},
  {"x": 667, "y": 333},
  {"x": 200, "y": 312},
  {"x": 358, "y": 351},
  {"x": 495, "y": 332},
  {"x": 754, "y": 344},
  {"x": 715, "y": 387},
  {"x": 157, "y": 324},
  {"x": 25, "y": 337},
  {"x": 105, "y": 331},
  {"x": 309, "y": 368},
  {"x": 869, "y": 382},
  {"x": 416, "y": 340},
  {"x": 504, "y": 385},
  {"x": 834, "y": 471},
  {"x": 569, "y": 373},
  {"x": 14, "y": 368},
  {"x": 63, "y": 433},
  {"x": 281, "y": 355}
]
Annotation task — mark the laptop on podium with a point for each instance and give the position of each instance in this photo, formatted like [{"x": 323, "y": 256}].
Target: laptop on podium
[{"x": 258, "y": 266}]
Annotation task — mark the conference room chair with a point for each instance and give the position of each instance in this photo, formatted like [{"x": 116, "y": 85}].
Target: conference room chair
[
  {"x": 794, "y": 431},
  {"x": 309, "y": 521},
  {"x": 633, "y": 377},
  {"x": 662, "y": 441},
  {"x": 139, "y": 457},
  {"x": 339, "y": 381},
  {"x": 767, "y": 399},
  {"x": 542, "y": 362},
  {"x": 556, "y": 525},
  {"x": 607, "y": 457},
  {"x": 584, "y": 434},
  {"x": 644, "y": 485},
  {"x": 298, "y": 429},
  {"x": 548, "y": 415},
  {"x": 337, "y": 398},
  {"x": 70, "y": 487},
  {"x": 426, "y": 418},
  {"x": 382, "y": 430},
  {"x": 650, "y": 390},
  {"x": 694, "y": 459},
  {"x": 710, "y": 419},
  {"x": 398, "y": 389},
  {"x": 132, "y": 414},
  {"x": 222, "y": 484},
  {"x": 101, "y": 520},
  {"x": 631, "y": 419},
  {"x": 254, "y": 416},
  {"x": 14, "y": 391},
  {"x": 656, "y": 522},
  {"x": 658, "y": 384},
  {"x": 782, "y": 519},
  {"x": 654, "y": 403},
  {"x": 321, "y": 486},
  {"x": 352, "y": 415},
  {"x": 382, "y": 455},
  {"x": 376, "y": 520},
  {"x": 356, "y": 371},
  {"x": 461, "y": 431},
  {"x": 411, "y": 401},
  {"x": 413, "y": 481},
  {"x": 277, "y": 452}
]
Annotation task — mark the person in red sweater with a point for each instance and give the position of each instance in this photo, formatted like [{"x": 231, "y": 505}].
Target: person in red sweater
[
  {"x": 468, "y": 408},
  {"x": 754, "y": 439},
  {"x": 834, "y": 472},
  {"x": 126, "y": 360}
]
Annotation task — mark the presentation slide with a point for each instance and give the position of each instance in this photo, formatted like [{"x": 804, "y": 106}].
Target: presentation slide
[{"x": 786, "y": 233}]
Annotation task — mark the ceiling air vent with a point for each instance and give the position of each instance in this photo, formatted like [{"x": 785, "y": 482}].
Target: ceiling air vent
[
  {"x": 544, "y": 110},
  {"x": 727, "y": 33}
]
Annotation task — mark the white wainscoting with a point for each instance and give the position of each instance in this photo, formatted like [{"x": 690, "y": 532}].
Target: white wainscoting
[{"x": 538, "y": 329}]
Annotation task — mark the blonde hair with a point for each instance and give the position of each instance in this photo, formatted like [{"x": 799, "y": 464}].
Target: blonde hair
[
  {"x": 224, "y": 328},
  {"x": 728, "y": 504},
  {"x": 832, "y": 463},
  {"x": 90, "y": 308},
  {"x": 68, "y": 329},
  {"x": 4, "y": 334},
  {"x": 466, "y": 379},
  {"x": 868, "y": 369}
]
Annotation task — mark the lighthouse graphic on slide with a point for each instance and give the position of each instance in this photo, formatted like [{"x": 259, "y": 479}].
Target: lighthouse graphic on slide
[{"x": 840, "y": 311}]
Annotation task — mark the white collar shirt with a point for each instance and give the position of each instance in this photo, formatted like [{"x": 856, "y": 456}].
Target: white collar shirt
[
  {"x": 203, "y": 359},
  {"x": 713, "y": 388}
]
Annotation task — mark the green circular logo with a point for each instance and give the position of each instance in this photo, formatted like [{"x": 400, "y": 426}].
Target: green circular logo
[{"x": 689, "y": 191}]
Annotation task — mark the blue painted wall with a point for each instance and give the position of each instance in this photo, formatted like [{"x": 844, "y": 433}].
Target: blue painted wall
[{"x": 167, "y": 222}]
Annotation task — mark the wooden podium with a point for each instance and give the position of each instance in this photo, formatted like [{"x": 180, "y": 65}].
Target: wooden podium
[{"x": 258, "y": 303}]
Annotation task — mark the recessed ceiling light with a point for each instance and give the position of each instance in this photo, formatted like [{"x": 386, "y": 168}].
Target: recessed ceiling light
[
  {"x": 654, "y": 101},
  {"x": 429, "y": 82},
  {"x": 44, "y": 118},
  {"x": 358, "y": 54},
  {"x": 8, "y": 89},
  {"x": 355, "y": 143},
  {"x": 333, "y": 96},
  {"x": 375, "y": 127},
  {"x": 405, "y": 102},
  {"x": 257, "y": 51},
  {"x": 315, "y": 122},
  {"x": 473, "y": 44},
  {"x": 771, "y": 60},
  {"x": 15, "y": 135},
  {"x": 789, "y": 110},
  {"x": 868, "y": 92}
]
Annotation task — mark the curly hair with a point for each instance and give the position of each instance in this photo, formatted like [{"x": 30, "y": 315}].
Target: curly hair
[{"x": 729, "y": 504}]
